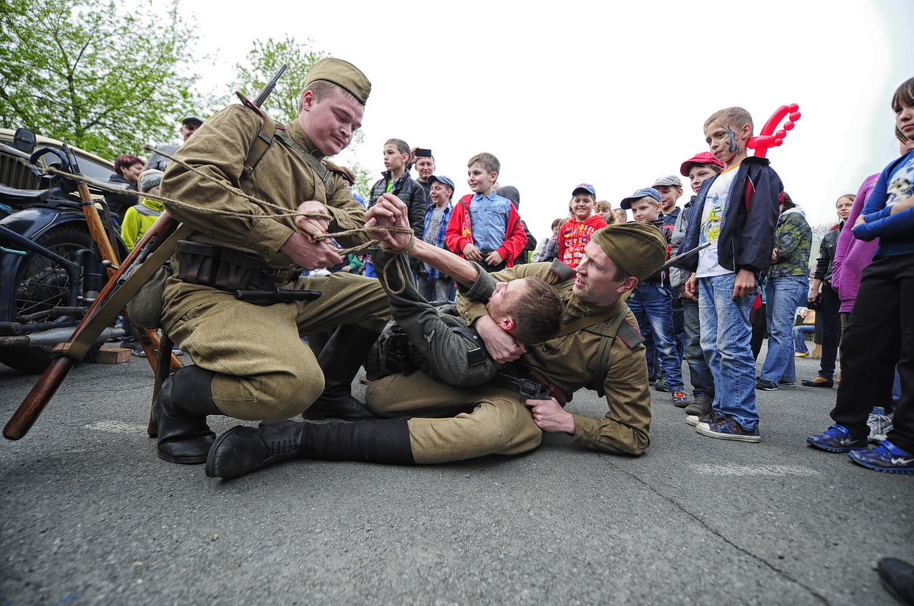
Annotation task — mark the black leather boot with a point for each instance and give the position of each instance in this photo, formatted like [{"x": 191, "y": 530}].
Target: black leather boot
[
  {"x": 184, "y": 401},
  {"x": 241, "y": 450},
  {"x": 897, "y": 577},
  {"x": 340, "y": 360}
]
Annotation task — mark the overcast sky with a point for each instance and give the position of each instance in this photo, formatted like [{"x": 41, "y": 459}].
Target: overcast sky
[{"x": 611, "y": 94}]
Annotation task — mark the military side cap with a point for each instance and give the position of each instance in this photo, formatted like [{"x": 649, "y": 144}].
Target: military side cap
[
  {"x": 343, "y": 74},
  {"x": 639, "y": 249}
]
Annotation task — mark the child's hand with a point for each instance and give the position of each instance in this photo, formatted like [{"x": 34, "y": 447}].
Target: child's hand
[
  {"x": 494, "y": 258},
  {"x": 472, "y": 253},
  {"x": 744, "y": 284},
  {"x": 690, "y": 289}
]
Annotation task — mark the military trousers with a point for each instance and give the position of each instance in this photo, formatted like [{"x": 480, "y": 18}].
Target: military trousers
[
  {"x": 264, "y": 370},
  {"x": 450, "y": 423}
]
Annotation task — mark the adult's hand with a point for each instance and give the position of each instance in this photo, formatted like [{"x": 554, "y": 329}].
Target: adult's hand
[
  {"x": 389, "y": 211},
  {"x": 549, "y": 416},
  {"x": 313, "y": 226},
  {"x": 501, "y": 346},
  {"x": 310, "y": 253}
]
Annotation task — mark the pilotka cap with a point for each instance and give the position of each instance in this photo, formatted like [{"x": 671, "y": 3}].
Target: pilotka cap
[
  {"x": 639, "y": 249},
  {"x": 343, "y": 74}
]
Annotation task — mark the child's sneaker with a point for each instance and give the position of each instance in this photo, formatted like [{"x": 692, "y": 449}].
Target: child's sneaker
[
  {"x": 711, "y": 417},
  {"x": 884, "y": 457},
  {"x": 836, "y": 439},
  {"x": 681, "y": 399},
  {"x": 139, "y": 353},
  {"x": 661, "y": 385},
  {"x": 700, "y": 406},
  {"x": 728, "y": 429},
  {"x": 765, "y": 385}
]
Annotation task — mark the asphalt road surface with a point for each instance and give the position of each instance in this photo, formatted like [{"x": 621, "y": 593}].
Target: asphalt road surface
[{"x": 91, "y": 516}]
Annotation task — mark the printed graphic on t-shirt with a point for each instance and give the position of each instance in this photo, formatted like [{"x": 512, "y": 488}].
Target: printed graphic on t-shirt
[
  {"x": 712, "y": 218},
  {"x": 901, "y": 187}
]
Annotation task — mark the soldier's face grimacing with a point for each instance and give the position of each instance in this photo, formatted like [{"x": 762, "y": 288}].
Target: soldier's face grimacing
[
  {"x": 596, "y": 277},
  {"x": 330, "y": 122}
]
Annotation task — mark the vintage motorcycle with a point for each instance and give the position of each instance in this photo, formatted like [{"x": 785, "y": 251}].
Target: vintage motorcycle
[{"x": 50, "y": 266}]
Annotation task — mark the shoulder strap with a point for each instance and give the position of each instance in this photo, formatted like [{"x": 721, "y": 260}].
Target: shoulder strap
[
  {"x": 261, "y": 144},
  {"x": 316, "y": 165},
  {"x": 564, "y": 271},
  {"x": 583, "y": 323},
  {"x": 269, "y": 133}
]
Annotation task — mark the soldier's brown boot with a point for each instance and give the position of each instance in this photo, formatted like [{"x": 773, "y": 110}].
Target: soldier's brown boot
[
  {"x": 241, "y": 450},
  {"x": 340, "y": 360},
  {"x": 184, "y": 401}
]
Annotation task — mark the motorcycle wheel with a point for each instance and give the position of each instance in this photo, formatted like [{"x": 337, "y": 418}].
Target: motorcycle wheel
[{"x": 42, "y": 284}]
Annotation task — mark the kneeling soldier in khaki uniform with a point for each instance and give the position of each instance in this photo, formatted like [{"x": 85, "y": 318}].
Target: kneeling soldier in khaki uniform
[
  {"x": 600, "y": 349},
  {"x": 250, "y": 362}
]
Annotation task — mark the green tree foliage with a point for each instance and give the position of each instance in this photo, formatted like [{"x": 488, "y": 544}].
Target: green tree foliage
[
  {"x": 263, "y": 62},
  {"x": 101, "y": 78}
]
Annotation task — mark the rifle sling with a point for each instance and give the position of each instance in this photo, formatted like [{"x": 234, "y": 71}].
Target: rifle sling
[{"x": 117, "y": 300}]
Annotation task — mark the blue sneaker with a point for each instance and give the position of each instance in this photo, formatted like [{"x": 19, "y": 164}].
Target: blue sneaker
[
  {"x": 728, "y": 429},
  {"x": 836, "y": 439},
  {"x": 711, "y": 417},
  {"x": 884, "y": 457}
]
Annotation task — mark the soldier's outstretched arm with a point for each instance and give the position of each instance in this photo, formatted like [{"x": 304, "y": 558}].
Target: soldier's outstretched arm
[{"x": 390, "y": 211}]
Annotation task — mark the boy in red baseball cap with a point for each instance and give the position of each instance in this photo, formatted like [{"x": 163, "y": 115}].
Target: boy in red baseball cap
[{"x": 697, "y": 168}]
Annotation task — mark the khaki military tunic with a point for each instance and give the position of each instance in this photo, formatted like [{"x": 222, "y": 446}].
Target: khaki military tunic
[
  {"x": 492, "y": 420},
  {"x": 264, "y": 369}
]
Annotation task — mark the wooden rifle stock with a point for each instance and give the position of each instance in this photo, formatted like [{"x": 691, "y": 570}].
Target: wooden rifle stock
[{"x": 106, "y": 307}]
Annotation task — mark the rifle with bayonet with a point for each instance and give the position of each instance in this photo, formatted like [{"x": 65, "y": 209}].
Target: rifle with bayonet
[{"x": 153, "y": 249}]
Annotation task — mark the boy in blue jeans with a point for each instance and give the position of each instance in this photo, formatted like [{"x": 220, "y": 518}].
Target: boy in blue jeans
[
  {"x": 652, "y": 300},
  {"x": 737, "y": 212}
]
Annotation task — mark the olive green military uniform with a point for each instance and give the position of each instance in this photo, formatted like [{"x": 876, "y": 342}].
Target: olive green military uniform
[
  {"x": 264, "y": 371},
  {"x": 492, "y": 420}
]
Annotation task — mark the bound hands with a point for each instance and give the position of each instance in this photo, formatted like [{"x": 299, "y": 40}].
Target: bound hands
[
  {"x": 549, "y": 416},
  {"x": 302, "y": 248},
  {"x": 389, "y": 211}
]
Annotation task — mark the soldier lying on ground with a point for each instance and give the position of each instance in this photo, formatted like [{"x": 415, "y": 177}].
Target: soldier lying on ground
[
  {"x": 598, "y": 348},
  {"x": 436, "y": 339}
]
